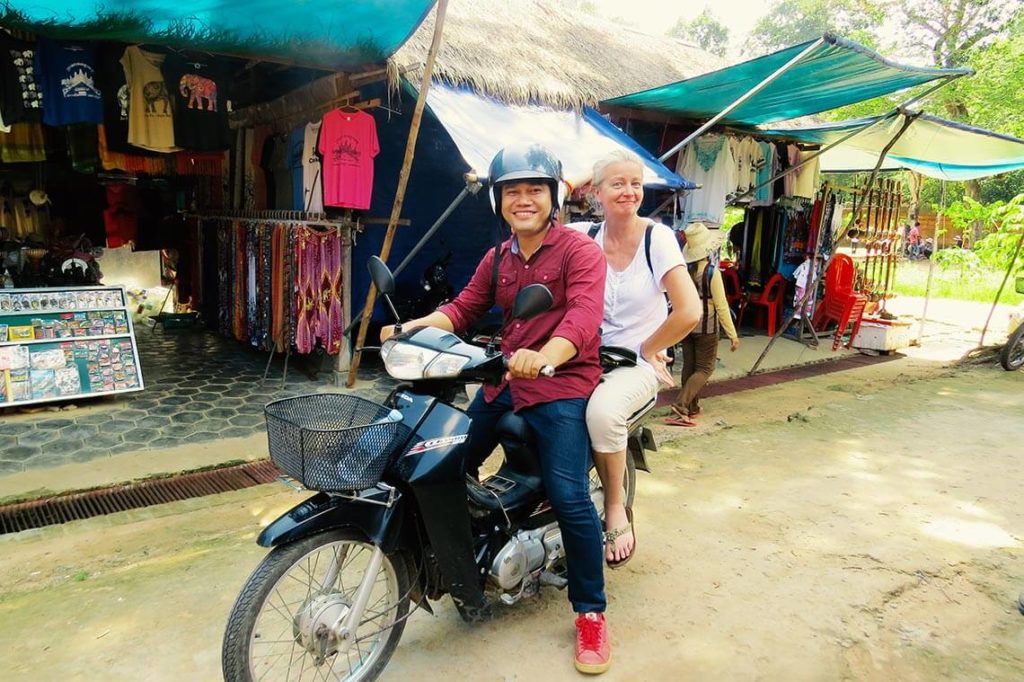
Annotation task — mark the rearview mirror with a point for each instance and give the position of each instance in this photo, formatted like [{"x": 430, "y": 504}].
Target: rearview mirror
[
  {"x": 381, "y": 275},
  {"x": 532, "y": 301}
]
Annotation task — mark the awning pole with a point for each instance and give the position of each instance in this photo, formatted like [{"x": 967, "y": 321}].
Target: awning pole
[
  {"x": 753, "y": 91},
  {"x": 931, "y": 265},
  {"x": 908, "y": 120},
  {"x": 403, "y": 181}
]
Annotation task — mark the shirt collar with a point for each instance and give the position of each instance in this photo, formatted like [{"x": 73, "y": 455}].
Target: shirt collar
[{"x": 552, "y": 237}]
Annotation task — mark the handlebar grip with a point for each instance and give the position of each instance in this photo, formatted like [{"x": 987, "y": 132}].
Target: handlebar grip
[{"x": 547, "y": 370}]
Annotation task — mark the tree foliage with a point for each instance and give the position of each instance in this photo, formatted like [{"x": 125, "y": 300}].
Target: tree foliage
[
  {"x": 790, "y": 22},
  {"x": 704, "y": 30}
]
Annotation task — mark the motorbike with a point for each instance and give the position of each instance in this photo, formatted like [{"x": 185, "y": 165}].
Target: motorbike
[
  {"x": 1012, "y": 355},
  {"x": 395, "y": 522}
]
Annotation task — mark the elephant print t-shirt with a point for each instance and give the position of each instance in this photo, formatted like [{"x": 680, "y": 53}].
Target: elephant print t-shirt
[
  {"x": 150, "y": 112},
  {"x": 348, "y": 144},
  {"x": 200, "y": 107}
]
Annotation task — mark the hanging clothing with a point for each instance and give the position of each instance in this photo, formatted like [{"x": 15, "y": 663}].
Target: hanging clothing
[
  {"x": 82, "y": 144},
  {"x": 766, "y": 169},
  {"x": 197, "y": 94},
  {"x": 111, "y": 79},
  {"x": 789, "y": 180},
  {"x": 23, "y": 144},
  {"x": 709, "y": 162},
  {"x": 293, "y": 153},
  {"x": 67, "y": 75},
  {"x": 4, "y": 128},
  {"x": 348, "y": 145},
  {"x": 807, "y": 176},
  {"x": 312, "y": 178},
  {"x": 21, "y": 95},
  {"x": 150, "y": 114}
]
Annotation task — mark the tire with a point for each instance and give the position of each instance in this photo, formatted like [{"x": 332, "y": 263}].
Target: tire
[
  {"x": 283, "y": 582},
  {"x": 1012, "y": 355}
]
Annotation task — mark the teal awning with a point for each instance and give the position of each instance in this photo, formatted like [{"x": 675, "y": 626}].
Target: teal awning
[
  {"x": 836, "y": 73},
  {"x": 327, "y": 34},
  {"x": 932, "y": 146}
]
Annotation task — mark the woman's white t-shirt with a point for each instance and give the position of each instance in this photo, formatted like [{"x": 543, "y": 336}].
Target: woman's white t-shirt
[{"x": 634, "y": 301}]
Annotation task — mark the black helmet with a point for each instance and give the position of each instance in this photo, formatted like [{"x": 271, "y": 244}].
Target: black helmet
[{"x": 525, "y": 162}]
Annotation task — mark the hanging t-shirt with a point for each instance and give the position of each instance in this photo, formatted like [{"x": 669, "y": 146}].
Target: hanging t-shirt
[
  {"x": 67, "y": 74},
  {"x": 111, "y": 79},
  {"x": 709, "y": 162},
  {"x": 21, "y": 97},
  {"x": 150, "y": 117},
  {"x": 312, "y": 178},
  {"x": 763, "y": 195},
  {"x": 200, "y": 110},
  {"x": 348, "y": 144},
  {"x": 807, "y": 176},
  {"x": 4, "y": 128},
  {"x": 293, "y": 155}
]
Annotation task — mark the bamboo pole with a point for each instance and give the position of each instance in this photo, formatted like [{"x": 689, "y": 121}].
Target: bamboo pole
[{"x": 403, "y": 181}]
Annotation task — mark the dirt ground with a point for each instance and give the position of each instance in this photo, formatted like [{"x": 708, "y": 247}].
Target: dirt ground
[{"x": 865, "y": 525}]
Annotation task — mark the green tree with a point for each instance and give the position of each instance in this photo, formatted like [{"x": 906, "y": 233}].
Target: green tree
[
  {"x": 790, "y": 22},
  {"x": 704, "y": 30}
]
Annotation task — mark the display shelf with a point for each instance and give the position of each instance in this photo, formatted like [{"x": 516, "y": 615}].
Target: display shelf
[
  {"x": 65, "y": 339},
  {"x": 83, "y": 366}
]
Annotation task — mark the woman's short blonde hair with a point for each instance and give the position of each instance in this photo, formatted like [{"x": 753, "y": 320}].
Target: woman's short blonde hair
[{"x": 614, "y": 156}]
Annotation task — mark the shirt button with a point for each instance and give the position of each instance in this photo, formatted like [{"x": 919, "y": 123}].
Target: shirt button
[
  {"x": 527, "y": 267},
  {"x": 518, "y": 326}
]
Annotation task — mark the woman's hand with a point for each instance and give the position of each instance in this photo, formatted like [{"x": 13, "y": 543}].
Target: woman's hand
[
  {"x": 733, "y": 345},
  {"x": 659, "y": 363}
]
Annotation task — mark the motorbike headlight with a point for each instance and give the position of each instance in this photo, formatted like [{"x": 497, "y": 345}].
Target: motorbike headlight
[
  {"x": 445, "y": 365},
  {"x": 405, "y": 360}
]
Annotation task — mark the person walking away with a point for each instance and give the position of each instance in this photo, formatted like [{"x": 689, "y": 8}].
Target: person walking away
[
  {"x": 700, "y": 348},
  {"x": 644, "y": 263},
  {"x": 526, "y": 190}
]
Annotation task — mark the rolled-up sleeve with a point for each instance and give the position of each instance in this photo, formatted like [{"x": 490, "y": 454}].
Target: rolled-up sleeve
[
  {"x": 585, "y": 272},
  {"x": 473, "y": 301}
]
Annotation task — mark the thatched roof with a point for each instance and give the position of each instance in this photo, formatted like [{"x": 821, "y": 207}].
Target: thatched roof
[{"x": 532, "y": 51}]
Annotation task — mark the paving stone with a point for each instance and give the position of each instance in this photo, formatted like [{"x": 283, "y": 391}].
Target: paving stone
[
  {"x": 44, "y": 460},
  {"x": 118, "y": 425},
  {"x": 105, "y": 440},
  {"x": 175, "y": 400},
  {"x": 141, "y": 435},
  {"x": 130, "y": 415},
  {"x": 54, "y": 423},
  {"x": 165, "y": 442},
  {"x": 184, "y": 418},
  {"x": 17, "y": 429},
  {"x": 20, "y": 453},
  {"x": 220, "y": 413},
  {"x": 232, "y": 402},
  {"x": 154, "y": 422},
  {"x": 78, "y": 432},
  {"x": 246, "y": 420},
  {"x": 37, "y": 438},
  {"x": 237, "y": 432},
  {"x": 11, "y": 467},
  {"x": 216, "y": 425},
  {"x": 200, "y": 405},
  {"x": 201, "y": 437},
  {"x": 145, "y": 405},
  {"x": 87, "y": 455},
  {"x": 97, "y": 418}
]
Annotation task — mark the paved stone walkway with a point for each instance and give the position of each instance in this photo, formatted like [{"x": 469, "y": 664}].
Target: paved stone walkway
[{"x": 199, "y": 387}]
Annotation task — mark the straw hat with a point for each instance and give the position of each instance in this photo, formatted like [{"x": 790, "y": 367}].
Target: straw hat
[{"x": 700, "y": 241}]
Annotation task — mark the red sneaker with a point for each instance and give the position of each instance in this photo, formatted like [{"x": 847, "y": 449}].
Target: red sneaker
[{"x": 593, "y": 652}]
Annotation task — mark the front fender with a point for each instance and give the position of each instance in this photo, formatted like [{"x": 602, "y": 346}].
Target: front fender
[{"x": 382, "y": 525}]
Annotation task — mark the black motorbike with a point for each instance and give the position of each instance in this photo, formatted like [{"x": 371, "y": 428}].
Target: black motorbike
[
  {"x": 396, "y": 522},
  {"x": 1012, "y": 354}
]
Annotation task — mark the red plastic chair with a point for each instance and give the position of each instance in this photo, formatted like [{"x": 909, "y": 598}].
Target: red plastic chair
[
  {"x": 733, "y": 290},
  {"x": 770, "y": 300}
]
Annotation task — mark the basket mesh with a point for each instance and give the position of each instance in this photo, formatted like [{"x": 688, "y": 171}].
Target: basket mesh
[{"x": 331, "y": 441}]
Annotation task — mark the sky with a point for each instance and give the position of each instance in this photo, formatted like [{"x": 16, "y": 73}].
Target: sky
[{"x": 657, "y": 16}]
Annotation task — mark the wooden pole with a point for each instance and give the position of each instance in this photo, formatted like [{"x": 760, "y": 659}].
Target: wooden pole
[{"x": 403, "y": 180}]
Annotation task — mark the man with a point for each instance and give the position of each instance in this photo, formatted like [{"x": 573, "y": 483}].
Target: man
[{"x": 526, "y": 184}]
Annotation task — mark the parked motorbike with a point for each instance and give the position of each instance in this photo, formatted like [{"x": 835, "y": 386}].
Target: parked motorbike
[
  {"x": 1012, "y": 355},
  {"x": 396, "y": 523}
]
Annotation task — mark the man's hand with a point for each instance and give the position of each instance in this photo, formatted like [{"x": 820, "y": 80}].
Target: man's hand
[
  {"x": 386, "y": 332},
  {"x": 734, "y": 344},
  {"x": 526, "y": 364}
]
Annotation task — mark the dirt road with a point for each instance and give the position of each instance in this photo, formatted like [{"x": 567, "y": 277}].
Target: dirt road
[{"x": 865, "y": 525}]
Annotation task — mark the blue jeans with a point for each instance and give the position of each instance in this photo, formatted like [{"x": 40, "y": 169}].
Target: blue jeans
[{"x": 560, "y": 428}]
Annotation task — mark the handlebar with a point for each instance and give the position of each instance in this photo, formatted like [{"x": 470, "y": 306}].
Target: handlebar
[{"x": 546, "y": 370}]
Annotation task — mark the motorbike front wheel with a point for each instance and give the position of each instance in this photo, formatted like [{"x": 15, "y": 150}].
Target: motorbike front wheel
[
  {"x": 1012, "y": 355},
  {"x": 285, "y": 623}
]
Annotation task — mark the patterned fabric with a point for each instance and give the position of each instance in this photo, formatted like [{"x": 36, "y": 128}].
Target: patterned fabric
[
  {"x": 224, "y": 272},
  {"x": 330, "y": 288},
  {"x": 307, "y": 271}
]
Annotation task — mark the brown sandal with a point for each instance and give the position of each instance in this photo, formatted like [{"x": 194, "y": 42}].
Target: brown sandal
[{"x": 614, "y": 534}]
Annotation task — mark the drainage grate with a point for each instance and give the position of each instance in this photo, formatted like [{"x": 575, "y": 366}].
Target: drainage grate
[{"x": 74, "y": 506}]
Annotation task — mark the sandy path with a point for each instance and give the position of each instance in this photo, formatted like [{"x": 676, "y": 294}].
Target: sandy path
[{"x": 863, "y": 525}]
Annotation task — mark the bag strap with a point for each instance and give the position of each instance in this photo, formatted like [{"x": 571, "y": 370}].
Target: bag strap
[{"x": 596, "y": 227}]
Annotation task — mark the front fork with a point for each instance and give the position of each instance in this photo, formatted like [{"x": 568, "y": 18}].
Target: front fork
[{"x": 348, "y": 624}]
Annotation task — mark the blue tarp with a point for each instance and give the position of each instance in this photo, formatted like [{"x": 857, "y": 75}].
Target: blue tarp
[
  {"x": 328, "y": 33},
  {"x": 932, "y": 146},
  {"x": 836, "y": 73},
  {"x": 480, "y": 126}
]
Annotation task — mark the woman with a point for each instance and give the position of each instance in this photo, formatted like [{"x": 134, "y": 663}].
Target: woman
[
  {"x": 700, "y": 349},
  {"x": 635, "y": 318}
]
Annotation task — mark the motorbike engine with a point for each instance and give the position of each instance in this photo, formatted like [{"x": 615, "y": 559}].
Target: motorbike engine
[{"x": 526, "y": 552}]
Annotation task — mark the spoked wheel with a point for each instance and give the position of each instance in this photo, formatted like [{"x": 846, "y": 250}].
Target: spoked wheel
[
  {"x": 289, "y": 621},
  {"x": 1012, "y": 355}
]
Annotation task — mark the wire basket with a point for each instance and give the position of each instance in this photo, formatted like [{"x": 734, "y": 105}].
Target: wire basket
[{"x": 331, "y": 441}]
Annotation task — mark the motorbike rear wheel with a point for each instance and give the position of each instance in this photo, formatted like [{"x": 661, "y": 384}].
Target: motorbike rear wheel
[
  {"x": 1012, "y": 355},
  {"x": 281, "y": 626}
]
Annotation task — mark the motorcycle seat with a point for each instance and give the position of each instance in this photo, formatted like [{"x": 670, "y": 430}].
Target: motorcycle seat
[{"x": 518, "y": 480}]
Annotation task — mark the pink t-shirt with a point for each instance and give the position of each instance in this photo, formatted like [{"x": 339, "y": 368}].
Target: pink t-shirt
[{"x": 348, "y": 143}]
